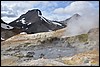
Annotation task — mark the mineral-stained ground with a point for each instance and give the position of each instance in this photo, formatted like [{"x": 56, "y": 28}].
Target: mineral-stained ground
[{"x": 49, "y": 49}]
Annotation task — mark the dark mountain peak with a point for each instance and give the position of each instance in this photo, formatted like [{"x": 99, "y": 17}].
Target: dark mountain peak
[
  {"x": 73, "y": 18},
  {"x": 37, "y": 11},
  {"x": 33, "y": 10},
  {"x": 76, "y": 15}
]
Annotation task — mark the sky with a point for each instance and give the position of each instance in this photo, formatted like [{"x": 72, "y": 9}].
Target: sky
[{"x": 52, "y": 10}]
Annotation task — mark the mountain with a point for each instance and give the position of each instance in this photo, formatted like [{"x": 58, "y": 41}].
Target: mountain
[
  {"x": 73, "y": 18},
  {"x": 33, "y": 22}
]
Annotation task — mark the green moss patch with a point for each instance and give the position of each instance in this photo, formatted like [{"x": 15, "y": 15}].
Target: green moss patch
[
  {"x": 83, "y": 37},
  {"x": 78, "y": 38}
]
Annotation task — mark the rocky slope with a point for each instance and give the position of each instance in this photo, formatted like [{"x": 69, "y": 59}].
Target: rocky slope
[{"x": 51, "y": 49}]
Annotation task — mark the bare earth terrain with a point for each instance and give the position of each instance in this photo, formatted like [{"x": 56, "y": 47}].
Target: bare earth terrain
[{"x": 51, "y": 49}]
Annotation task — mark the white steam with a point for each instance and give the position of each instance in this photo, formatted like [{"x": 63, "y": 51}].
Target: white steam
[
  {"x": 81, "y": 25},
  {"x": 89, "y": 19}
]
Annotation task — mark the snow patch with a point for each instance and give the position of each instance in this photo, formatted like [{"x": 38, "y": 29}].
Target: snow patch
[
  {"x": 5, "y": 26},
  {"x": 29, "y": 23},
  {"x": 22, "y": 27},
  {"x": 23, "y": 20},
  {"x": 50, "y": 30},
  {"x": 43, "y": 18},
  {"x": 17, "y": 21},
  {"x": 57, "y": 23},
  {"x": 38, "y": 13},
  {"x": 23, "y": 33},
  {"x": 26, "y": 28},
  {"x": 2, "y": 38}
]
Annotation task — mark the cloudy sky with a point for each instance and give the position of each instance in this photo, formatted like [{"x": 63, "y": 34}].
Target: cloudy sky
[{"x": 53, "y": 10}]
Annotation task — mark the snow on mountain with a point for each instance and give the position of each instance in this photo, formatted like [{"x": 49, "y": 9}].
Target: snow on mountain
[
  {"x": 33, "y": 22},
  {"x": 5, "y": 26},
  {"x": 57, "y": 23},
  {"x": 23, "y": 21}
]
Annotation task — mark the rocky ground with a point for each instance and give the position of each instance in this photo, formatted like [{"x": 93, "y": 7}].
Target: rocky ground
[{"x": 50, "y": 49}]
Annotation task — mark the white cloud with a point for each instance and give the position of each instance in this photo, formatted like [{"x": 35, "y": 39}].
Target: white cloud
[
  {"x": 56, "y": 17},
  {"x": 17, "y": 6},
  {"x": 81, "y": 7},
  {"x": 10, "y": 10},
  {"x": 59, "y": 11},
  {"x": 13, "y": 9}
]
